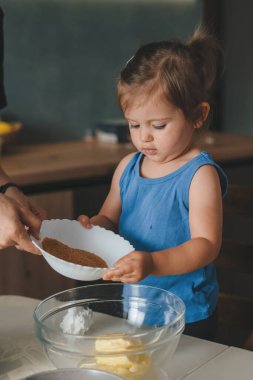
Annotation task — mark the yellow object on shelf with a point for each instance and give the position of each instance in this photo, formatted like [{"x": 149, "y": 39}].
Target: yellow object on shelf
[
  {"x": 5, "y": 128},
  {"x": 8, "y": 134}
]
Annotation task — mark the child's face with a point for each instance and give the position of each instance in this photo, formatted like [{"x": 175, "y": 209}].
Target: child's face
[{"x": 159, "y": 130}]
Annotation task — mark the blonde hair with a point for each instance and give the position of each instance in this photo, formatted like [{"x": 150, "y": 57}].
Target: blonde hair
[{"x": 184, "y": 73}]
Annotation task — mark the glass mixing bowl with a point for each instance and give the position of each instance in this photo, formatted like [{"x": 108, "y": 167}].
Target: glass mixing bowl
[{"x": 130, "y": 330}]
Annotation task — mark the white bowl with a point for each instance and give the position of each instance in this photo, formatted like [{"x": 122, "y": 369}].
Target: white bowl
[{"x": 104, "y": 243}]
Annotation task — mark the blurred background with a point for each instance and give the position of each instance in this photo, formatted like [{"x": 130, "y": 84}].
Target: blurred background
[{"x": 62, "y": 58}]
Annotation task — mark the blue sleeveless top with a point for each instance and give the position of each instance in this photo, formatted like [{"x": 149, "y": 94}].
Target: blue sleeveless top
[{"x": 155, "y": 216}]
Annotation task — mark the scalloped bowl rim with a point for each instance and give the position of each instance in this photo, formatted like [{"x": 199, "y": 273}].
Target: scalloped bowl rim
[{"x": 76, "y": 271}]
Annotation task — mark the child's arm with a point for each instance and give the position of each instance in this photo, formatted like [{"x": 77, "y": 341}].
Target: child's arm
[
  {"x": 205, "y": 218},
  {"x": 109, "y": 214}
]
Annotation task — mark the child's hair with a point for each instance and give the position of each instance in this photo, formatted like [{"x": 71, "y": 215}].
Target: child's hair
[{"x": 183, "y": 73}]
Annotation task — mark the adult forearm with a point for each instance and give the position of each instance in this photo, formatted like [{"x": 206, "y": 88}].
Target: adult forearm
[{"x": 185, "y": 258}]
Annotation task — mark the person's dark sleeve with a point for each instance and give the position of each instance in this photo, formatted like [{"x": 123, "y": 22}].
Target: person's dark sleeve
[{"x": 2, "y": 91}]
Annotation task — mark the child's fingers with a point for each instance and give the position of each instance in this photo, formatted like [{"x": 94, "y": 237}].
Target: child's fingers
[
  {"x": 125, "y": 278},
  {"x": 125, "y": 259},
  {"x": 119, "y": 272},
  {"x": 85, "y": 221},
  {"x": 131, "y": 277},
  {"x": 110, "y": 274}
]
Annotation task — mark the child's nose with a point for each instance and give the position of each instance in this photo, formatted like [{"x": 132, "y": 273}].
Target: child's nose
[{"x": 146, "y": 134}]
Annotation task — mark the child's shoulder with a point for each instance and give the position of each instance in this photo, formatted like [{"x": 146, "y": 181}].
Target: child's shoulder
[{"x": 123, "y": 163}]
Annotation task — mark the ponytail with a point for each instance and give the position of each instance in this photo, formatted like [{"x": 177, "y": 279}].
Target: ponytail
[{"x": 207, "y": 55}]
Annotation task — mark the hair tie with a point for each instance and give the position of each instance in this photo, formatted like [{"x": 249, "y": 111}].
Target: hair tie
[{"x": 129, "y": 60}]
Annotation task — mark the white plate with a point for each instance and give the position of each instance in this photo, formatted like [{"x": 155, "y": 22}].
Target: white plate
[{"x": 104, "y": 243}]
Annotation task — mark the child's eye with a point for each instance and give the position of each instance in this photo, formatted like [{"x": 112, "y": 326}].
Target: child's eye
[
  {"x": 134, "y": 125},
  {"x": 159, "y": 126}
]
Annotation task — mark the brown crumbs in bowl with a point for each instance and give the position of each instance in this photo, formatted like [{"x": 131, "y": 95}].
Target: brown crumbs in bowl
[{"x": 73, "y": 255}]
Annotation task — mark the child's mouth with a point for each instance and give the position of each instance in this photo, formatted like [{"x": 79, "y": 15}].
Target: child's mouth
[{"x": 149, "y": 151}]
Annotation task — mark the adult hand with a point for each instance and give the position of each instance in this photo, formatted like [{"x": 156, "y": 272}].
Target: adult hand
[
  {"x": 19, "y": 218},
  {"x": 23, "y": 200},
  {"x": 133, "y": 267}
]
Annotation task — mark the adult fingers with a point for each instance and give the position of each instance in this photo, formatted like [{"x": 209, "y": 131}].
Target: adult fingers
[
  {"x": 21, "y": 239},
  {"x": 29, "y": 219},
  {"x": 25, "y": 244},
  {"x": 39, "y": 212}
]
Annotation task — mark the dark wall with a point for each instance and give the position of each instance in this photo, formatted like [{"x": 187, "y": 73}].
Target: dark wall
[
  {"x": 62, "y": 57},
  {"x": 2, "y": 91},
  {"x": 237, "y": 31}
]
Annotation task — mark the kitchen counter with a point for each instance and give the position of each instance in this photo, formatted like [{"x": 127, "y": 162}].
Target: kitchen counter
[
  {"x": 63, "y": 164},
  {"x": 195, "y": 359},
  {"x": 69, "y": 164}
]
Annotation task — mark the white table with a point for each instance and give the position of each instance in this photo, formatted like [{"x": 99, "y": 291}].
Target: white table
[{"x": 195, "y": 359}]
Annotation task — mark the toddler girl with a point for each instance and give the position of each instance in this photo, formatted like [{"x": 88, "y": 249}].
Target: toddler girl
[{"x": 166, "y": 199}]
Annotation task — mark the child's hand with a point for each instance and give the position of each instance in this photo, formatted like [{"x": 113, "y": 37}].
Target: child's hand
[
  {"x": 131, "y": 268},
  {"x": 85, "y": 221}
]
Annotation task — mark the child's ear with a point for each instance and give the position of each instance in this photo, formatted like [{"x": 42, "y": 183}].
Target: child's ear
[{"x": 203, "y": 110}]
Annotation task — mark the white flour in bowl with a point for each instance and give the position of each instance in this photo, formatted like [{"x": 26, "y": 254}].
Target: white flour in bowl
[{"x": 76, "y": 322}]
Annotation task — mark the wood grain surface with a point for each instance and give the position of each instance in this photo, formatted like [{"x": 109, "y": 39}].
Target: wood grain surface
[{"x": 35, "y": 164}]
